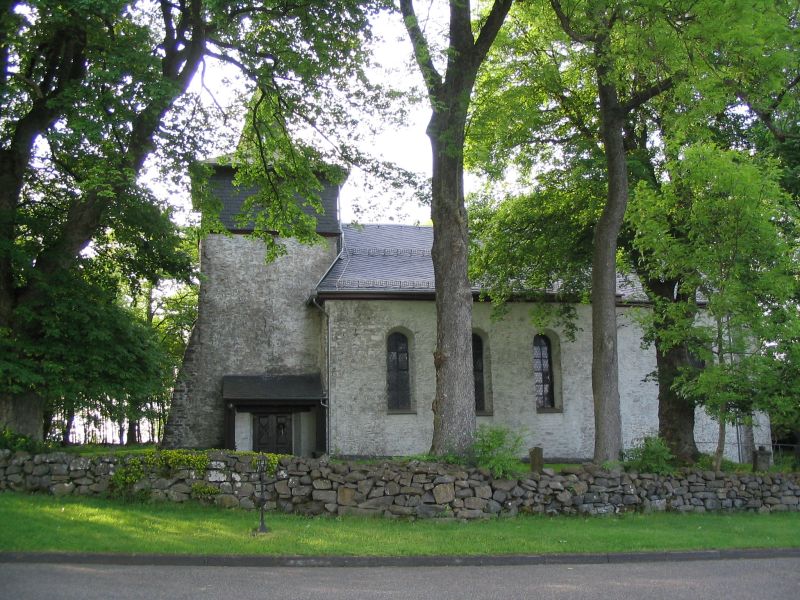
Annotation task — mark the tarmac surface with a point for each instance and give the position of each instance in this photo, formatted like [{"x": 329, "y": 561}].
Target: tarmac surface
[{"x": 728, "y": 575}]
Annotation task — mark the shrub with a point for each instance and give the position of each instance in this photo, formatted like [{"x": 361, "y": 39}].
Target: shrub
[
  {"x": 652, "y": 456},
  {"x": 204, "y": 491},
  {"x": 706, "y": 463},
  {"x": 16, "y": 442},
  {"x": 497, "y": 448}
]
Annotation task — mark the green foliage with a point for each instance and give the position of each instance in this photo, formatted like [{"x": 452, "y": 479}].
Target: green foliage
[
  {"x": 651, "y": 456},
  {"x": 102, "y": 91},
  {"x": 169, "y": 461},
  {"x": 498, "y": 449},
  {"x": 16, "y": 442},
  {"x": 125, "y": 476},
  {"x": 204, "y": 491},
  {"x": 163, "y": 462},
  {"x": 449, "y": 458},
  {"x": 706, "y": 463},
  {"x": 719, "y": 227},
  {"x": 272, "y": 461}
]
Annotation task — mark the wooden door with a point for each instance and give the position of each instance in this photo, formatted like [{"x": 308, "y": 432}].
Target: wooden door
[{"x": 272, "y": 433}]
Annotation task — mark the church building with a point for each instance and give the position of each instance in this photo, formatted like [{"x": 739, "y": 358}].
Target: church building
[{"x": 329, "y": 349}]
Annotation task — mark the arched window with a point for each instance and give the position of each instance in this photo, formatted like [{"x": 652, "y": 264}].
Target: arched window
[
  {"x": 477, "y": 369},
  {"x": 543, "y": 372},
  {"x": 397, "y": 372}
]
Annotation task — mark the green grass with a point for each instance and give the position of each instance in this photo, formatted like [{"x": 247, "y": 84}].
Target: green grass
[{"x": 45, "y": 523}]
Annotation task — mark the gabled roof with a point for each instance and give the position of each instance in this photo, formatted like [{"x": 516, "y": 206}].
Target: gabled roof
[
  {"x": 382, "y": 259},
  {"x": 395, "y": 260}
]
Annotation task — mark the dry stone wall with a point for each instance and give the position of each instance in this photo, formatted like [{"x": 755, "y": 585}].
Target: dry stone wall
[{"x": 409, "y": 489}]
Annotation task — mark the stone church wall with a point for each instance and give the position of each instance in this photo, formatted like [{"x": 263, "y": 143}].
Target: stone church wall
[
  {"x": 361, "y": 423},
  {"x": 253, "y": 320}
]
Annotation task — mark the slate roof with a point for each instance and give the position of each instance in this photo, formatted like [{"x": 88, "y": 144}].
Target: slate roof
[
  {"x": 232, "y": 197},
  {"x": 382, "y": 258},
  {"x": 395, "y": 260},
  {"x": 279, "y": 387}
]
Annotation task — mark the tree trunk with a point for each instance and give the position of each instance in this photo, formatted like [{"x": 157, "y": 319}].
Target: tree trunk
[
  {"x": 747, "y": 442},
  {"x": 720, "y": 452},
  {"x": 65, "y": 435},
  {"x": 675, "y": 412},
  {"x": 449, "y": 96},
  {"x": 133, "y": 433},
  {"x": 454, "y": 404},
  {"x": 605, "y": 365},
  {"x": 23, "y": 413}
]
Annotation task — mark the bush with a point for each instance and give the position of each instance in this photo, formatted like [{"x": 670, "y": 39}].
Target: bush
[
  {"x": 652, "y": 456},
  {"x": 16, "y": 442},
  {"x": 706, "y": 463},
  {"x": 498, "y": 449}
]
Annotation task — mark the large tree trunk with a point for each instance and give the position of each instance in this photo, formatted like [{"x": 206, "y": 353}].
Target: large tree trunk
[
  {"x": 23, "y": 413},
  {"x": 449, "y": 96},
  {"x": 133, "y": 433},
  {"x": 675, "y": 412},
  {"x": 454, "y": 404},
  {"x": 605, "y": 366}
]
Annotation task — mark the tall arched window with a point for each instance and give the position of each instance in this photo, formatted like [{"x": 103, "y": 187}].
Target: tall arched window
[
  {"x": 543, "y": 372},
  {"x": 397, "y": 372},
  {"x": 477, "y": 369}
]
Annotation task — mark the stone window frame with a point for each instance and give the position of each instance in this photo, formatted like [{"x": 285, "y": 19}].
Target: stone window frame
[
  {"x": 488, "y": 407},
  {"x": 411, "y": 405},
  {"x": 555, "y": 372}
]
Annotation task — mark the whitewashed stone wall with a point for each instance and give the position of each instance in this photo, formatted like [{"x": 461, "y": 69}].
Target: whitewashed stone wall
[
  {"x": 362, "y": 425},
  {"x": 253, "y": 320}
]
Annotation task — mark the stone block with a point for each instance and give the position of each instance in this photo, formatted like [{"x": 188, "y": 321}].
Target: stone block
[
  {"x": 346, "y": 496},
  {"x": 429, "y": 511},
  {"x": 324, "y": 495},
  {"x": 483, "y": 491},
  {"x": 301, "y": 490},
  {"x": 62, "y": 489},
  {"x": 444, "y": 493},
  {"x": 381, "y": 502},
  {"x": 505, "y": 485},
  {"x": 216, "y": 476},
  {"x": 226, "y": 501},
  {"x": 475, "y": 503},
  {"x": 322, "y": 484},
  {"x": 282, "y": 488}
]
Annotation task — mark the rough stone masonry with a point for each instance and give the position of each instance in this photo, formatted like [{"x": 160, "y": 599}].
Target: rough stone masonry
[{"x": 410, "y": 489}]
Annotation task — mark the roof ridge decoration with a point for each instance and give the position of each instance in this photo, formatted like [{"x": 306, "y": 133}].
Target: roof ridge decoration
[
  {"x": 384, "y": 283},
  {"x": 388, "y": 252}
]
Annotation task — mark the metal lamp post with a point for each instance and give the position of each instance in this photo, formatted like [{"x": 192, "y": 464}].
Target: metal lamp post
[{"x": 262, "y": 498}]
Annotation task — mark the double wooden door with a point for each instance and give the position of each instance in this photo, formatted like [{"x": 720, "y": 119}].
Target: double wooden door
[{"x": 272, "y": 433}]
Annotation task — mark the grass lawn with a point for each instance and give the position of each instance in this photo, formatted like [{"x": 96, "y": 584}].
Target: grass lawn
[{"x": 46, "y": 523}]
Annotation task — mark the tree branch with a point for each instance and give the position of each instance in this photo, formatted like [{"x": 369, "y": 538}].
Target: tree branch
[
  {"x": 490, "y": 28},
  {"x": 642, "y": 96},
  {"x": 422, "y": 51},
  {"x": 566, "y": 25}
]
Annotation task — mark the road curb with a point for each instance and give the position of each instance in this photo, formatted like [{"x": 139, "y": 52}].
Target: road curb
[{"x": 180, "y": 560}]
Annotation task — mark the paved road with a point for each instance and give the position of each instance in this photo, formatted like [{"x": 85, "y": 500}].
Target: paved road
[{"x": 743, "y": 579}]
